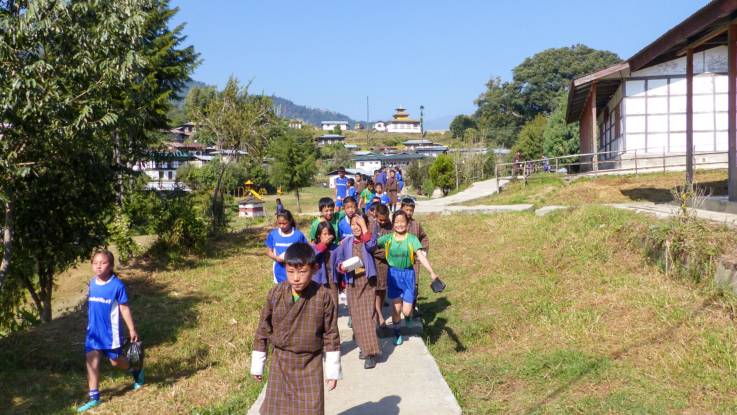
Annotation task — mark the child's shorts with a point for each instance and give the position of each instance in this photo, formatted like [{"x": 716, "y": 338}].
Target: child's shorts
[
  {"x": 401, "y": 284},
  {"x": 339, "y": 203},
  {"x": 112, "y": 354}
]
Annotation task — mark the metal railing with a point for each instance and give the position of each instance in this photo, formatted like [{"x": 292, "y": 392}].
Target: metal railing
[{"x": 644, "y": 160}]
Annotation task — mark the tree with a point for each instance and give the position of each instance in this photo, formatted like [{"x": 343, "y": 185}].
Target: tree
[
  {"x": 459, "y": 125},
  {"x": 506, "y": 106},
  {"x": 530, "y": 140},
  {"x": 237, "y": 121},
  {"x": 561, "y": 138},
  {"x": 82, "y": 86},
  {"x": 442, "y": 173},
  {"x": 497, "y": 114},
  {"x": 294, "y": 162},
  {"x": 540, "y": 78},
  {"x": 337, "y": 130}
]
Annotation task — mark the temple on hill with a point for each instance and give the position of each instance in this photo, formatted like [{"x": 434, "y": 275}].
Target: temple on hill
[{"x": 401, "y": 123}]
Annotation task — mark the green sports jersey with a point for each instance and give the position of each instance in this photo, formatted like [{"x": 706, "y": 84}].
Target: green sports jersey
[
  {"x": 400, "y": 254},
  {"x": 366, "y": 195},
  {"x": 334, "y": 221}
]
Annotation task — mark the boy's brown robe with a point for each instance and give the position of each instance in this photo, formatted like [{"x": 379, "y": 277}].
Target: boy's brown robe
[
  {"x": 382, "y": 268},
  {"x": 299, "y": 333},
  {"x": 415, "y": 228}
]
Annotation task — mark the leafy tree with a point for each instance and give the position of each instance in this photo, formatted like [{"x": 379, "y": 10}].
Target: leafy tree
[
  {"x": 294, "y": 162},
  {"x": 530, "y": 141},
  {"x": 561, "y": 138},
  {"x": 81, "y": 85},
  {"x": 497, "y": 113},
  {"x": 237, "y": 121},
  {"x": 417, "y": 172},
  {"x": 540, "y": 78},
  {"x": 337, "y": 130},
  {"x": 459, "y": 125},
  {"x": 442, "y": 173},
  {"x": 198, "y": 100},
  {"x": 506, "y": 106}
]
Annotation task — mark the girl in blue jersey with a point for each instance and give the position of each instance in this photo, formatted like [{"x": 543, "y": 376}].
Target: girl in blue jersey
[
  {"x": 279, "y": 239},
  {"x": 107, "y": 302}
]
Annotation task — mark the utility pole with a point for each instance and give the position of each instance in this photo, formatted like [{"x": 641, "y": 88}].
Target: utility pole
[
  {"x": 422, "y": 120},
  {"x": 368, "y": 129}
]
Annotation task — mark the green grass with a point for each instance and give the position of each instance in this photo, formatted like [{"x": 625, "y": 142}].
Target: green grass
[
  {"x": 561, "y": 314},
  {"x": 552, "y": 315},
  {"x": 549, "y": 189}
]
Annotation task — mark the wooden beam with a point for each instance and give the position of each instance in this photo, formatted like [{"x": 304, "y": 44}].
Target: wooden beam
[
  {"x": 732, "y": 114},
  {"x": 594, "y": 138},
  {"x": 704, "y": 39},
  {"x": 689, "y": 116}
]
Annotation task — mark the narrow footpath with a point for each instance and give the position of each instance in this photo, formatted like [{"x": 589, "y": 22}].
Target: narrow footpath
[{"x": 406, "y": 379}]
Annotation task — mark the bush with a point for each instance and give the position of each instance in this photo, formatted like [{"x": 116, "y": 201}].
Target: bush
[
  {"x": 442, "y": 173},
  {"x": 178, "y": 224},
  {"x": 428, "y": 187}
]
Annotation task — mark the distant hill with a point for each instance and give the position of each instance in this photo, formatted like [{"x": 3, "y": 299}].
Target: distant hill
[
  {"x": 283, "y": 107},
  {"x": 288, "y": 109}
]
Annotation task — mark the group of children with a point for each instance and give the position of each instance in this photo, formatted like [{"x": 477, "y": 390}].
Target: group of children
[{"x": 363, "y": 251}]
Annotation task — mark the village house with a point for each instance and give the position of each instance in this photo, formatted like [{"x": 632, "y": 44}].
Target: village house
[
  {"x": 183, "y": 132},
  {"x": 161, "y": 169},
  {"x": 296, "y": 124},
  {"x": 330, "y": 125},
  {"x": 328, "y": 139},
  {"x": 676, "y": 96},
  {"x": 374, "y": 161}
]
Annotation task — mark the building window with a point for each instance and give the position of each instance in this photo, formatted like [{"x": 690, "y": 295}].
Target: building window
[
  {"x": 170, "y": 175},
  {"x": 161, "y": 174}
]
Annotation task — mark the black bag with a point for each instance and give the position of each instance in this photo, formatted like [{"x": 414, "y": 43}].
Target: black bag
[
  {"x": 437, "y": 285},
  {"x": 133, "y": 351}
]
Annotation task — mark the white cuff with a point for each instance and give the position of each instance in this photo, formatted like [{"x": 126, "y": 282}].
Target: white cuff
[
  {"x": 332, "y": 366},
  {"x": 257, "y": 363}
]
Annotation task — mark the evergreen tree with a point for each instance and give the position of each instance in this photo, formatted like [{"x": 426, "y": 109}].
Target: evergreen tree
[
  {"x": 294, "y": 162},
  {"x": 561, "y": 138},
  {"x": 530, "y": 140}
]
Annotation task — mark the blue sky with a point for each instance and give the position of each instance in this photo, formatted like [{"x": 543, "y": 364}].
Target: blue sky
[{"x": 332, "y": 54}]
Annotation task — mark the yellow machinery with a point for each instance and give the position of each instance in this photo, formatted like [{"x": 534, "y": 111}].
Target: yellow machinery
[{"x": 248, "y": 186}]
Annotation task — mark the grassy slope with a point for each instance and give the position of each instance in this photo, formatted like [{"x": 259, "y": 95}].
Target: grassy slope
[
  {"x": 546, "y": 189},
  {"x": 573, "y": 323},
  {"x": 557, "y": 315}
]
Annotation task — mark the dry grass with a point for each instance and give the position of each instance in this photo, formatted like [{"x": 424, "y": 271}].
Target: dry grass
[
  {"x": 542, "y": 315},
  {"x": 560, "y": 315},
  {"x": 546, "y": 189}
]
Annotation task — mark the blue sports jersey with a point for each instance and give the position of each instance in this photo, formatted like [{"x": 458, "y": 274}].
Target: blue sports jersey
[
  {"x": 344, "y": 228},
  {"x": 279, "y": 242},
  {"x": 381, "y": 178},
  {"x": 103, "y": 314},
  {"x": 400, "y": 181},
  {"x": 352, "y": 192},
  {"x": 341, "y": 187},
  {"x": 385, "y": 199}
]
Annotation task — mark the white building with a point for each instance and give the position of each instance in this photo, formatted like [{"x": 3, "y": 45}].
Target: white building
[
  {"x": 161, "y": 169},
  {"x": 330, "y": 125},
  {"x": 641, "y": 106},
  {"x": 401, "y": 123},
  {"x": 296, "y": 124}
]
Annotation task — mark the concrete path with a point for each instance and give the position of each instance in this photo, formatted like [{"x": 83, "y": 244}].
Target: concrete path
[
  {"x": 476, "y": 191},
  {"x": 406, "y": 379},
  {"x": 662, "y": 210}
]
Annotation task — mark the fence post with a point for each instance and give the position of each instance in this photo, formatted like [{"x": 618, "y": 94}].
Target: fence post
[
  {"x": 496, "y": 174},
  {"x": 663, "y": 160},
  {"x": 635, "y": 162}
]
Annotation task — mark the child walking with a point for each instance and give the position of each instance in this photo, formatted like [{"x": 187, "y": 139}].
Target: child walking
[
  {"x": 325, "y": 247},
  {"x": 341, "y": 188},
  {"x": 401, "y": 249},
  {"x": 326, "y": 206},
  {"x": 360, "y": 288},
  {"x": 107, "y": 302},
  {"x": 364, "y": 198},
  {"x": 383, "y": 197},
  {"x": 382, "y": 225},
  {"x": 300, "y": 321},
  {"x": 281, "y": 238},
  {"x": 414, "y": 227}
]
